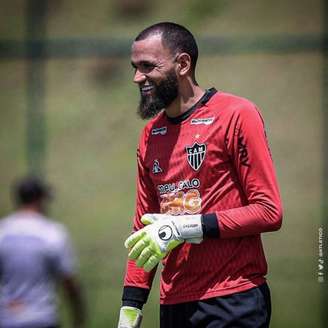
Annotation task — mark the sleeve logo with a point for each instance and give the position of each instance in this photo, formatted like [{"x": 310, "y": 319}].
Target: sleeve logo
[
  {"x": 243, "y": 152},
  {"x": 195, "y": 155}
]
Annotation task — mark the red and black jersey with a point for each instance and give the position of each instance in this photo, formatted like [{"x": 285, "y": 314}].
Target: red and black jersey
[{"x": 215, "y": 161}]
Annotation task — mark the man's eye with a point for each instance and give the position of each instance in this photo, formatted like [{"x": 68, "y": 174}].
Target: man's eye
[{"x": 147, "y": 67}]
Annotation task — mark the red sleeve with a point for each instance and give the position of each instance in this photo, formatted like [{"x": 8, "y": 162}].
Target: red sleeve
[
  {"x": 248, "y": 149},
  {"x": 146, "y": 202}
]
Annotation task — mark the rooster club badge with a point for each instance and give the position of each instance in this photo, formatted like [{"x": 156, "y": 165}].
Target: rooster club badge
[{"x": 195, "y": 155}]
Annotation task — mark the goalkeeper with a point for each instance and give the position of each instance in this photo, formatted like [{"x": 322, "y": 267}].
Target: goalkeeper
[{"x": 206, "y": 190}]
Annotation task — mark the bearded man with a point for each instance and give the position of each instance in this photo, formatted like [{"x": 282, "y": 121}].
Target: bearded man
[{"x": 206, "y": 190}]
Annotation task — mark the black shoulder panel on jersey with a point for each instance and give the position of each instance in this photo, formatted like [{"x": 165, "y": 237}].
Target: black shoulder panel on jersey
[
  {"x": 210, "y": 226},
  {"x": 134, "y": 296},
  {"x": 202, "y": 101}
]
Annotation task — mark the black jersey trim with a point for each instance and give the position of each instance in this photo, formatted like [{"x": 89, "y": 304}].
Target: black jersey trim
[
  {"x": 134, "y": 296},
  {"x": 202, "y": 101},
  {"x": 210, "y": 225}
]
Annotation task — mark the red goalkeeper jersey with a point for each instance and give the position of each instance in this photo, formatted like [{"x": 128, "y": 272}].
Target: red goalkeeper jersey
[{"x": 212, "y": 160}]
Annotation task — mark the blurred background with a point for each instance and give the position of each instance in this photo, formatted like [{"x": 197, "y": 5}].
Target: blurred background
[{"x": 68, "y": 112}]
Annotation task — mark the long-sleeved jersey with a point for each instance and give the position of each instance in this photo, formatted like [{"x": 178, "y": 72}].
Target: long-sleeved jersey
[{"x": 212, "y": 160}]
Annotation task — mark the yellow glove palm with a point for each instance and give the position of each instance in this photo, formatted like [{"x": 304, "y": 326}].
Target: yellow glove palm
[{"x": 162, "y": 233}]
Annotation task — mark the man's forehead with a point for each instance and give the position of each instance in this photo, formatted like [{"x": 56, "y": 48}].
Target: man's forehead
[{"x": 149, "y": 48}]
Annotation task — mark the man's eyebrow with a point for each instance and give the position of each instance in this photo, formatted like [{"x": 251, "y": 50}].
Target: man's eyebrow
[{"x": 142, "y": 62}]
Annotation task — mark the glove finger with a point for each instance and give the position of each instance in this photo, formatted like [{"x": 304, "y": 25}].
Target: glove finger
[
  {"x": 138, "y": 248},
  {"x": 152, "y": 262},
  {"x": 135, "y": 237},
  {"x": 143, "y": 257},
  {"x": 148, "y": 218}
]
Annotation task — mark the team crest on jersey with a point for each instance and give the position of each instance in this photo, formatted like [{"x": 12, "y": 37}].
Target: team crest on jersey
[
  {"x": 162, "y": 131},
  {"x": 195, "y": 155},
  {"x": 156, "y": 168}
]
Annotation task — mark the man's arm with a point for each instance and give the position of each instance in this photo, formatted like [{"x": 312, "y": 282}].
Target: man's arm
[
  {"x": 248, "y": 148},
  {"x": 73, "y": 293},
  {"x": 146, "y": 202},
  {"x": 65, "y": 266},
  {"x": 138, "y": 282}
]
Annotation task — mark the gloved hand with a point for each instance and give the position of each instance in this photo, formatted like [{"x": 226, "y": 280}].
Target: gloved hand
[
  {"x": 130, "y": 317},
  {"x": 162, "y": 234}
]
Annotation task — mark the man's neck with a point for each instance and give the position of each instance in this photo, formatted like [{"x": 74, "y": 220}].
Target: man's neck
[
  {"x": 30, "y": 209},
  {"x": 187, "y": 97}
]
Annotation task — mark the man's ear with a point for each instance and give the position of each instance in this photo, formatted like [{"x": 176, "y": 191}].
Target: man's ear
[{"x": 184, "y": 64}]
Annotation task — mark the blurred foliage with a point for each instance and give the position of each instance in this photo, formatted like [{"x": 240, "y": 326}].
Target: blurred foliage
[
  {"x": 197, "y": 11},
  {"x": 132, "y": 9}
]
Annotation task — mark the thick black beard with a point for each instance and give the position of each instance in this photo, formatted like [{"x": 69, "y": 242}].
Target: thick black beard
[{"x": 165, "y": 93}]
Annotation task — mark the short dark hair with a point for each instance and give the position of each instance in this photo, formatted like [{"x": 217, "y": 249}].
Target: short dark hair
[
  {"x": 29, "y": 190},
  {"x": 175, "y": 37}
]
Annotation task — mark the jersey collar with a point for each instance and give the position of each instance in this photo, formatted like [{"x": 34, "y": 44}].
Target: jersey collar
[{"x": 202, "y": 101}]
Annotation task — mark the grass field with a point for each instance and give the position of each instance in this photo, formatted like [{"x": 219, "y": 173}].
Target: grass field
[{"x": 92, "y": 132}]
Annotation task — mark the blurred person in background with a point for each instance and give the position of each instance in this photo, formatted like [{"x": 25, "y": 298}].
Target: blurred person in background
[
  {"x": 206, "y": 190},
  {"x": 35, "y": 254}
]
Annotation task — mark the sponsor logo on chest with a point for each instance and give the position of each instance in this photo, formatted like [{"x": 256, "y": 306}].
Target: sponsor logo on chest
[
  {"x": 195, "y": 155},
  {"x": 205, "y": 121},
  {"x": 159, "y": 131}
]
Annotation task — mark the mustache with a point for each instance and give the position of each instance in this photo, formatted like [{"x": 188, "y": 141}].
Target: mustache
[{"x": 162, "y": 95}]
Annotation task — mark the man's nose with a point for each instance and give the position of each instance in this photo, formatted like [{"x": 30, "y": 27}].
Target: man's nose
[{"x": 139, "y": 77}]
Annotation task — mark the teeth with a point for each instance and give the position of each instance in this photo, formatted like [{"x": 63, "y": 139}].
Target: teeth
[{"x": 147, "y": 88}]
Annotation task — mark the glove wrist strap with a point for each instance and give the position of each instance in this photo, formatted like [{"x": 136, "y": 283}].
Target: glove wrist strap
[{"x": 190, "y": 226}]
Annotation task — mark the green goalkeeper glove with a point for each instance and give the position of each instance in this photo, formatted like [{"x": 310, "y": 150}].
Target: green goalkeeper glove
[
  {"x": 130, "y": 317},
  {"x": 149, "y": 245}
]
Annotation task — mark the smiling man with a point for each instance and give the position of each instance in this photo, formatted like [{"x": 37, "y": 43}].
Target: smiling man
[{"x": 206, "y": 190}]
